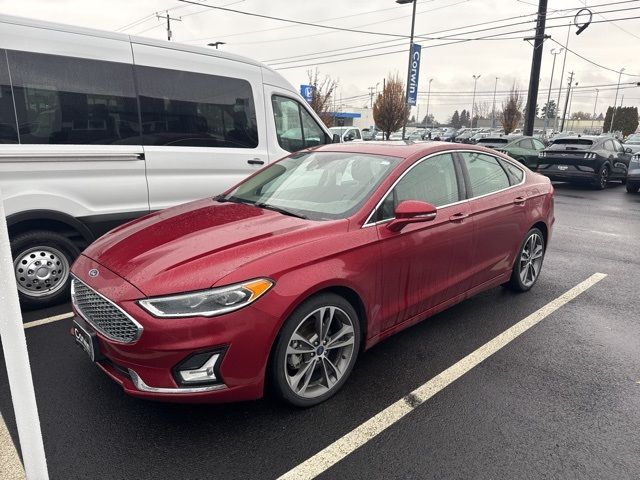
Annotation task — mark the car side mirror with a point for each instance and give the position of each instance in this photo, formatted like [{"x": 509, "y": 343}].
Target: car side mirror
[
  {"x": 628, "y": 150},
  {"x": 336, "y": 138},
  {"x": 412, "y": 211}
]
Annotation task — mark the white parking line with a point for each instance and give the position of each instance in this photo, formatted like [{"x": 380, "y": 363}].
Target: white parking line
[
  {"x": 44, "y": 321},
  {"x": 353, "y": 440},
  {"x": 10, "y": 465}
]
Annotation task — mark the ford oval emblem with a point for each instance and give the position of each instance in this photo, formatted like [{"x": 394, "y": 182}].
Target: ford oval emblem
[{"x": 93, "y": 273}]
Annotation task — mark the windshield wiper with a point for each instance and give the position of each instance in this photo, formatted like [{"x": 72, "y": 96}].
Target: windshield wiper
[
  {"x": 232, "y": 199},
  {"x": 283, "y": 211}
]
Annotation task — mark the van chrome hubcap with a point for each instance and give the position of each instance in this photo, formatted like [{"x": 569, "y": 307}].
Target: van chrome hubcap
[
  {"x": 319, "y": 352},
  {"x": 531, "y": 260},
  {"x": 41, "y": 271}
]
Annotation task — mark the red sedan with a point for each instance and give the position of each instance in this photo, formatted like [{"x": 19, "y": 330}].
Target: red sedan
[{"x": 288, "y": 276}]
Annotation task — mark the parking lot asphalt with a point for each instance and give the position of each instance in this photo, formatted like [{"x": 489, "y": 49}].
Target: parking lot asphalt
[{"x": 560, "y": 401}]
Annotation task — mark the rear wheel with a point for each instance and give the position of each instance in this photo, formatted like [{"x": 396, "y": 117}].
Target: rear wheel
[
  {"x": 316, "y": 350},
  {"x": 528, "y": 265},
  {"x": 42, "y": 264},
  {"x": 603, "y": 178}
]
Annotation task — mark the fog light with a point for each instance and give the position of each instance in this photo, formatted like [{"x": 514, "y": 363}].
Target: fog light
[{"x": 199, "y": 369}]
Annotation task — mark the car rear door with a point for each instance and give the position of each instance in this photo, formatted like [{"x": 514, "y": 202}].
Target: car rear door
[
  {"x": 498, "y": 203},
  {"x": 427, "y": 263},
  {"x": 203, "y": 122}
]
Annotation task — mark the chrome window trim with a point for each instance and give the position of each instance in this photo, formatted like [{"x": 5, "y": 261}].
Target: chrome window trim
[
  {"x": 524, "y": 177},
  {"x": 98, "y": 329},
  {"x": 143, "y": 387}
]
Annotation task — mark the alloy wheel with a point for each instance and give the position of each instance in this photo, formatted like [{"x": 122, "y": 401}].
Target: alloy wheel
[
  {"x": 319, "y": 352},
  {"x": 604, "y": 177},
  {"x": 531, "y": 260}
]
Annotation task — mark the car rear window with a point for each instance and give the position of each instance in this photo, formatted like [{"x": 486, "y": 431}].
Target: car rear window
[
  {"x": 581, "y": 142},
  {"x": 494, "y": 140}
]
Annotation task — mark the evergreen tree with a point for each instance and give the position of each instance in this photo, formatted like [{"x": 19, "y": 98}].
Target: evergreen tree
[
  {"x": 455, "y": 120},
  {"x": 464, "y": 118}
]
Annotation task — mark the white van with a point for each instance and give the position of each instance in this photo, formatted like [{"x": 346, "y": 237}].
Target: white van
[{"x": 98, "y": 128}]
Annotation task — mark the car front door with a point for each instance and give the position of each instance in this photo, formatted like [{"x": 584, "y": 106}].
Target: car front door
[
  {"x": 621, "y": 160},
  {"x": 498, "y": 207},
  {"x": 424, "y": 264}
]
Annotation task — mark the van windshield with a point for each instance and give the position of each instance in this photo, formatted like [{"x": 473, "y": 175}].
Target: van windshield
[{"x": 315, "y": 185}]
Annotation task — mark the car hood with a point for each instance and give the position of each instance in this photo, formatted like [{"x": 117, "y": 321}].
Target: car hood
[{"x": 192, "y": 246}]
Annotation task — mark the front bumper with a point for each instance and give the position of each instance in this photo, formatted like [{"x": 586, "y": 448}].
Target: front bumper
[{"x": 146, "y": 368}]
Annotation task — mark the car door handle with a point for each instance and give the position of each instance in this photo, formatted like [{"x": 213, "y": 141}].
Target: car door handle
[
  {"x": 255, "y": 161},
  {"x": 519, "y": 200},
  {"x": 458, "y": 217}
]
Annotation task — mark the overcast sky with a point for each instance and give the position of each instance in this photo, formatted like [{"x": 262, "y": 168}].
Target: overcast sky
[{"x": 613, "y": 45}]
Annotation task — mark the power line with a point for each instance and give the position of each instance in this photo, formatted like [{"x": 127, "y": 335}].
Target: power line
[
  {"x": 298, "y": 22},
  {"x": 594, "y": 63}
]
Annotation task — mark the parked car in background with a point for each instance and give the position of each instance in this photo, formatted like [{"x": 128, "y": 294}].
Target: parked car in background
[
  {"x": 396, "y": 136},
  {"x": 494, "y": 142},
  {"x": 347, "y": 134},
  {"x": 633, "y": 142},
  {"x": 284, "y": 279},
  {"x": 465, "y": 137},
  {"x": 633, "y": 176},
  {"x": 593, "y": 160},
  {"x": 525, "y": 150},
  {"x": 368, "y": 134},
  {"x": 99, "y": 128},
  {"x": 416, "y": 135},
  {"x": 480, "y": 135}
]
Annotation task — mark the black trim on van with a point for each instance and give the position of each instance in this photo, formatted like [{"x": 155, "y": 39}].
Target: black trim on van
[{"x": 101, "y": 224}]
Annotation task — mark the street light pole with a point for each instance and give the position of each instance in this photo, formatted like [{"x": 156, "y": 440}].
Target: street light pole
[
  {"x": 546, "y": 112},
  {"x": 413, "y": 24},
  {"x": 473, "y": 102},
  {"x": 428, "y": 97},
  {"x": 493, "y": 111},
  {"x": 595, "y": 105},
  {"x": 615, "y": 102}
]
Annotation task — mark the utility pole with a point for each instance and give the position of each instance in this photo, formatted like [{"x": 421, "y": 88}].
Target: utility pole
[
  {"x": 473, "y": 102},
  {"x": 428, "y": 97},
  {"x": 371, "y": 93},
  {"x": 534, "y": 79},
  {"x": 546, "y": 110},
  {"x": 570, "y": 104},
  {"x": 493, "y": 111},
  {"x": 566, "y": 49},
  {"x": 168, "y": 18},
  {"x": 615, "y": 102},
  {"x": 595, "y": 105},
  {"x": 566, "y": 100},
  {"x": 413, "y": 24}
]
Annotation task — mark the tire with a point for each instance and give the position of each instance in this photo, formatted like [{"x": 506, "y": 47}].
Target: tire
[
  {"x": 603, "y": 178},
  {"x": 42, "y": 264},
  {"x": 633, "y": 187},
  {"x": 516, "y": 282},
  {"x": 324, "y": 380}
]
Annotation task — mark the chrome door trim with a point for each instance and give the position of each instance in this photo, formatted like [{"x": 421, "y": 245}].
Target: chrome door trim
[
  {"x": 68, "y": 157},
  {"x": 524, "y": 177}
]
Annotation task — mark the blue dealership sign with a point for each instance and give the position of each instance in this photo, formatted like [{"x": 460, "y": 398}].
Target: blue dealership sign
[
  {"x": 307, "y": 92},
  {"x": 414, "y": 74}
]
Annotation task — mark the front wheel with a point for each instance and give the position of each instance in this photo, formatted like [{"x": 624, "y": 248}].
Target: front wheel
[
  {"x": 42, "y": 264},
  {"x": 528, "y": 264},
  {"x": 316, "y": 350}
]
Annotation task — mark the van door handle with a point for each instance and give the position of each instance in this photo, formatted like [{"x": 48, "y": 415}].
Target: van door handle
[
  {"x": 255, "y": 161},
  {"x": 458, "y": 217},
  {"x": 519, "y": 200}
]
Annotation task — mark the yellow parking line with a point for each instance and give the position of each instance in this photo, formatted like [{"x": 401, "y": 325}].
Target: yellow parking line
[{"x": 44, "y": 321}]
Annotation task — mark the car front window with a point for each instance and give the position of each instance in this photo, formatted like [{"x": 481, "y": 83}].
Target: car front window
[{"x": 316, "y": 185}]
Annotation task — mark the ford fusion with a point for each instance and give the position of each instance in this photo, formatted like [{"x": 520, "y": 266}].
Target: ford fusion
[{"x": 286, "y": 278}]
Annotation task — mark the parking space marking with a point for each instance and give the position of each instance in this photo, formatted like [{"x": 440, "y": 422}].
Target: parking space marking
[
  {"x": 365, "y": 432},
  {"x": 44, "y": 321},
  {"x": 10, "y": 465}
]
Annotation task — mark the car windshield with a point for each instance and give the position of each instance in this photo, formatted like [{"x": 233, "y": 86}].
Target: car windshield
[
  {"x": 315, "y": 185},
  {"x": 633, "y": 140}
]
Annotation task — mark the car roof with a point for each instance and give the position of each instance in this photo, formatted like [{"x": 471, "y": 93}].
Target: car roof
[{"x": 394, "y": 148}]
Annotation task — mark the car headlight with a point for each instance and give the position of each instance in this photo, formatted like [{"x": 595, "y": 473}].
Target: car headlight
[{"x": 207, "y": 303}]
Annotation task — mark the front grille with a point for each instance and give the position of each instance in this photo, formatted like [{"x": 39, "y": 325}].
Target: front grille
[{"x": 103, "y": 315}]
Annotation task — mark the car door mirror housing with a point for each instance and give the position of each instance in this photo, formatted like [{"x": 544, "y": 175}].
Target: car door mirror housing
[
  {"x": 412, "y": 211},
  {"x": 628, "y": 150}
]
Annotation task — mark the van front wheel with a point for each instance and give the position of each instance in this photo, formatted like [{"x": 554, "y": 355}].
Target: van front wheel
[{"x": 42, "y": 264}]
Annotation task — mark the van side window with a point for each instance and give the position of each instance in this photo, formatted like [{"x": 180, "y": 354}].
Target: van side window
[
  {"x": 65, "y": 100},
  {"x": 8, "y": 127},
  {"x": 189, "y": 109},
  {"x": 295, "y": 127}
]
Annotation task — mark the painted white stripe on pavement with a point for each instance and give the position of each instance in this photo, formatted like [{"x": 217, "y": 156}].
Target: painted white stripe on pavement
[
  {"x": 353, "y": 440},
  {"x": 10, "y": 466},
  {"x": 44, "y": 321}
]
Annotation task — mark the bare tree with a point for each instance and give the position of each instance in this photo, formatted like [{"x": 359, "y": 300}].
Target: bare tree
[
  {"x": 511, "y": 110},
  {"x": 322, "y": 90},
  {"x": 390, "y": 111}
]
